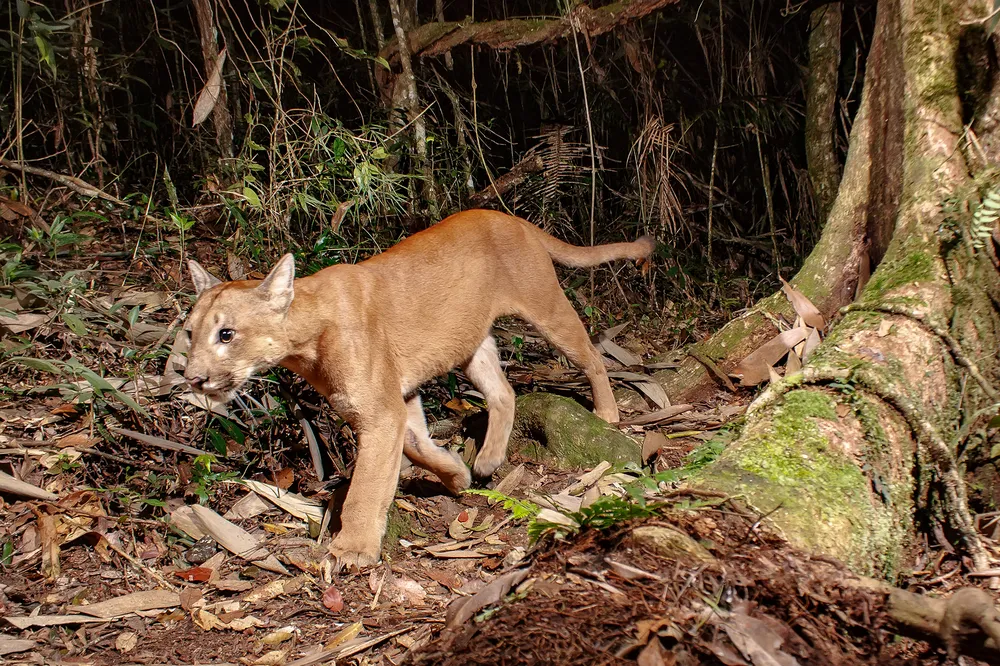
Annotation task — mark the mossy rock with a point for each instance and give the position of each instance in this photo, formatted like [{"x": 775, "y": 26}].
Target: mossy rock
[{"x": 564, "y": 434}]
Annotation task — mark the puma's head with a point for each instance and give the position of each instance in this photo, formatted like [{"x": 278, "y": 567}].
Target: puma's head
[{"x": 237, "y": 328}]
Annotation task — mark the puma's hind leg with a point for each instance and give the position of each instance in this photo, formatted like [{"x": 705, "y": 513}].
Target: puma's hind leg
[
  {"x": 485, "y": 373},
  {"x": 554, "y": 317},
  {"x": 423, "y": 452}
]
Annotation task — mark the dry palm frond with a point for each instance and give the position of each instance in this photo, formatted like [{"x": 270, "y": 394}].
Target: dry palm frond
[
  {"x": 565, "y": 166},
  {"x": 653, "y": 152}
]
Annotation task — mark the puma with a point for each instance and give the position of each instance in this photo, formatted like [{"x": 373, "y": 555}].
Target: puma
[{"x": 368, "y": 335}]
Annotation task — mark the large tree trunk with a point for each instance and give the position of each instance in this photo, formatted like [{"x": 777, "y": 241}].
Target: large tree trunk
[
  {"x": 856, "y": 233},
  {"x": 835, "y": 451},
  {"x": 821, "y": 103}
]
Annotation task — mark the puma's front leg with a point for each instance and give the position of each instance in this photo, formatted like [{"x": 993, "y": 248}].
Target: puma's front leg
[{"x": 373, "y": 485}]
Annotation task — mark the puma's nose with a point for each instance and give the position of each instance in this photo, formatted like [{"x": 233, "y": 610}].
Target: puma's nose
[{"x": 196, "y": 382}]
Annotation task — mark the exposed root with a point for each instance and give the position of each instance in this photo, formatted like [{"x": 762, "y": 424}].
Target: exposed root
[
  {"x": 927, "y": 437},
  {"x": 937, "y": 329}
]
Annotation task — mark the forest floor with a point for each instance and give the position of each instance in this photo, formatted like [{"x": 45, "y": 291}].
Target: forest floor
[{"x": 149, "y": 548}]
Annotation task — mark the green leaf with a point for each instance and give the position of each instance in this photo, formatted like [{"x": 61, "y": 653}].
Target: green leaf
[
  {"x": 75, "y": 324},
  {"x": 232, "y": 429},
  {"x": 45, "y": 53},
  {"x": 38, "y": 364},
  {"x": 133, "y": 315},
  {"x": 252, "y": 198},
  {"x": 129, "y": 402},
  {"x": 379, "y": 153}
]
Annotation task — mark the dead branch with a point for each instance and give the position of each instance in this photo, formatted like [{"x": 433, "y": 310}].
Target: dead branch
[
  {"x": 79, "y": 186},
  {"x": 503, "y": 184},
  {"x": 438, "y": 38}
]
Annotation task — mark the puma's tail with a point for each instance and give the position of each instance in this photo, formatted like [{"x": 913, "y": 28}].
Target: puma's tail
[{"x": 576, "y": 256}]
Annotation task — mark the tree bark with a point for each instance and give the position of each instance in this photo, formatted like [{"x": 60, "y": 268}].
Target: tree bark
[
  {"x": 841, "y": 450},
  {"x": 821, "y": 102},
  {"x": 221, "y": 118},
  {"x": 855, "y": 235},
  {"x": 406, "y": 85}
]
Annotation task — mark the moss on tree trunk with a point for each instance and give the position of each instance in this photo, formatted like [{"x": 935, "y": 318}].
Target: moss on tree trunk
[{"x": 833, "y": 453}]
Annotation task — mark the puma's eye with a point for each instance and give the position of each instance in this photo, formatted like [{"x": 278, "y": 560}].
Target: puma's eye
[{"x": 226, "y": 335}]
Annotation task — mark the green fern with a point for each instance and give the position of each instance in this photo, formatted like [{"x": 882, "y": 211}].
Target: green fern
[
  {"x": 519, "y": 509},
  {"x": 985, "y": 217}
]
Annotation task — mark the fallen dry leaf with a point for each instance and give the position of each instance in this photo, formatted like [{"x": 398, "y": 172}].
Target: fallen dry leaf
[
  {"x": 755, "y": 368},
  {"x": 235, "y": 539},
  {"x": 271, "y": 658},
  {"x": 130, "y": 603},
  {"x": 196, "y": 574},
  {"x": 248, "y": 506},
  {"x": 803, "y": 306},
  {"x": 27, "y": 622},
  {"x": 462, "y": 609},
  {"x": 293, "y": 503},
  {"x": 126, "y": 641},
  {"x": 274, "y": 589},
  {"x": 20, "y": 323},
  {"x": 14, "y": 645},
  {"x": 652, "y": 442},
  {"x": 9, "y": 484},
  {"x": 461, "y": 527},
  {"x": 284, "y": 478},
  {"x": 333, "y": 600}
]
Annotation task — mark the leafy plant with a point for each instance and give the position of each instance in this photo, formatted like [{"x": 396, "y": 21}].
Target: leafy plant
[
  {"x": 204, "y": 479},
  {"x": 519, "y": 509},
  {"x": 56, "y": 237},
  {"x": 985, "y": 217}
]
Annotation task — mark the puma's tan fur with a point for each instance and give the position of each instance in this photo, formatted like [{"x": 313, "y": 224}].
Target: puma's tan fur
[{"x": 367, "y": 336}]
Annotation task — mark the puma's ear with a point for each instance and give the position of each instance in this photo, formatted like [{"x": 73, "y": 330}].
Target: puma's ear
[
  {"x": 202, "y": 279},
  {"x": 277, "y": 286}
]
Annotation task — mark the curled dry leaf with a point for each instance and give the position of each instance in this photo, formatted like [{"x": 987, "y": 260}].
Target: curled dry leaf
[
  {"x": 811, "y": 343},
  {"x": 209, "y": 95},
  {"x": 333, "y": 600},
  {"x": 652, "y": 443},
  {"x": 755, "y": 368},
  {"x": 803, "y": 306}
]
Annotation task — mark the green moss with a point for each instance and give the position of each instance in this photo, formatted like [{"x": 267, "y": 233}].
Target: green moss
[
  {"x": 397, "y": 526},
  {"x": 822, "y": 496},
  {"x": 915, "y": 266},
  {"x": 565, "y": 434}
]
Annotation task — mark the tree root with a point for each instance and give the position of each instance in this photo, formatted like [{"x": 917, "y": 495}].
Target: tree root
[
  {"x": 927, "y": 436},
  {"x": 937, "y": 329},
  {"x": 957, "y": 621}
]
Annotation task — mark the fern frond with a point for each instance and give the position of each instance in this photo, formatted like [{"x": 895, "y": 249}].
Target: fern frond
[
  {"x": 519, "y": 509},
  {"x": 985, "y": 217}
]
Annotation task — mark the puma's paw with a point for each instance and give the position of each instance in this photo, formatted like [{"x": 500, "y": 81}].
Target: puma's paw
[
  {"x": 351, "y": 554},
  {"x": 459, "y": 479},
  {"x": 486, "y": 465},
  {"x": 609, "y": 415}
]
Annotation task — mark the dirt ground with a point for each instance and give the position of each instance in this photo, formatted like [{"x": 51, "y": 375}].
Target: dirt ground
[{"x": 136, "y": 541}]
